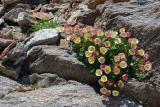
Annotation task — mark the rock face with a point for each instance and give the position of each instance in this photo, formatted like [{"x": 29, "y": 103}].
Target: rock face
[
  {"x": 4, "y": 43},
  {"x": 46, "y": 80},
  {"x": 20, "y": 16},
  {"x": 83, "y": 15},
  {"x": 71, "y": 94},
  {"x": 57, "y": 93},
  {"x": 139, "y": 91},
  {"x": 7, "y": 86},
  {"x": 8, "y": 2},
  {"x": 44, "y": 37},
  {"x": 51, "y": 59},
  {"x": 12, "y": 32}
]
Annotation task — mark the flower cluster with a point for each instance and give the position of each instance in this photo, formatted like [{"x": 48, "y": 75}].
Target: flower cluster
[{"x": 112, "y": 56}]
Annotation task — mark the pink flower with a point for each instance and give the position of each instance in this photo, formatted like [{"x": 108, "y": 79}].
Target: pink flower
[
  {"x": 146, "y": 57},
  {"x": 72, "y": 37},
  {"x": 128, "y": 34},
  {"x": 125, "y": 77},
  {"x": 141, "y": 67},
  {"x": 102, "y": 66}
]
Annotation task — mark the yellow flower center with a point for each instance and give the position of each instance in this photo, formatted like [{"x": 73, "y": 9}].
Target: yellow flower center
[
  {"x": 104, "y": 90},
  {"x": 141, "y": 52},
  {"x": 107, "y": 69},
  {"x": 107, "y": 44},
  {"x": 104, "y": 78},
  {"x": 123, "y": 64},
  {"x": 91, "y": 60},
  {"x": 91, "y": 48},
  {"x": 103, "y": 50},
  {"x": 117, "y": 58},
  {"x": 88, "y": 53},
  {"x": 120, "y": 83},
  {"x": 98, "y": 41},
  {"x": 122, "y": 30},
  {"x": 77, "y": 40},
  {"x": 98, "y": 72},
  {"x": 101, "y": 60},
  {"x": 115, "y": 93}
]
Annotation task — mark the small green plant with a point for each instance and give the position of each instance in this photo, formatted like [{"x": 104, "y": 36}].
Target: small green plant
[
  {"x": 113, "y": 56},
  {"x": 45, "y": 24}
]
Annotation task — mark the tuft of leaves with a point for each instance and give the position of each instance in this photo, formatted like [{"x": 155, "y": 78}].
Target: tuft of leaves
[{"x": 45, "y": 24}]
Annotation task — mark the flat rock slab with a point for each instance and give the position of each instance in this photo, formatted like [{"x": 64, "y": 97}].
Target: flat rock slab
[
  {"x": 148, "y": 93},
  {"x": 68, "y": 94},
  {"x": 44, "y": 37},
  {"x": 53, "y": 59},
  {"x": 7, "y": 86}
]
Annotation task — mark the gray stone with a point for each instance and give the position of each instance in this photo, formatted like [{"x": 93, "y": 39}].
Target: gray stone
[
  {"x": 54, "y": 7},
  {"x": 5, "y": 42},
  {"x": 46, "y": 79},
  {"x": 7, "y": 86},
  {"x": 53, "y": 59},
  {"x": 83, "y": 15},
  {"x": 17, "y": 52},
  {"x": 1, "y": 21},
  {"x": 20, "y": 16},
  {"x": 44, "y": 37},
  {"x": 148, "y": 93},
  {"x": 61, "y": 93},
  {"x": 71, "y": 94},
  {"x": 12, "y": 32},
  {"x": 8, "y": 2}
]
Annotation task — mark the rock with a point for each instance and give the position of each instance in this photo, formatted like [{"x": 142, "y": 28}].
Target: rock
[
  {"x": 17, "y": 52},
  {"x": 8, "y": 72},
  {"x": 36, "y": 1},
  {"x": 93, "y": 3},
  {"x": 42, "y": 15},
  {"x": 61, "y": 93},
  {"x": 147, "y": 93},
  {"x": 7, "y": 86},
  {"x": 71, "y": 94},
  {"x": 46, "y": 80},
  {"x": 44, "y": 37},
  {"x": 63, "y": 43},
  {"x": 2, "y": 10},
  {"x": 5, "y": 42},
  {"x": 8, "y": 2},
  {"x": 54, "y": 7},
  {"x": 1, "y": 21},
  {"x": 51, "y": 59},
  {"x": 20, "y": 16},
  {"x": 12, "y": 32},
  {"x": 49, "y": 8},
  {"x": 83, "y": 15}
]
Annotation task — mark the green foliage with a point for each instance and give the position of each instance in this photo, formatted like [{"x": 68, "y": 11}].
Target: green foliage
[{"x": 45, "y": 24}]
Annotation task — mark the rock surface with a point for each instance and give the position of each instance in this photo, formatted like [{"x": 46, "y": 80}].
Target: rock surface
[
  {"x": 61, "y": 93},
  {"x": 51, "y": 59},
  {"x": 148, "y": 93},
  {"x": 44, "y": 37},
  {"x": 83, "y": 15},
  {"x": 20, "y": 16},
  {"x": 7, "y": 86},
  {"x": 12, "y": 32}
]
